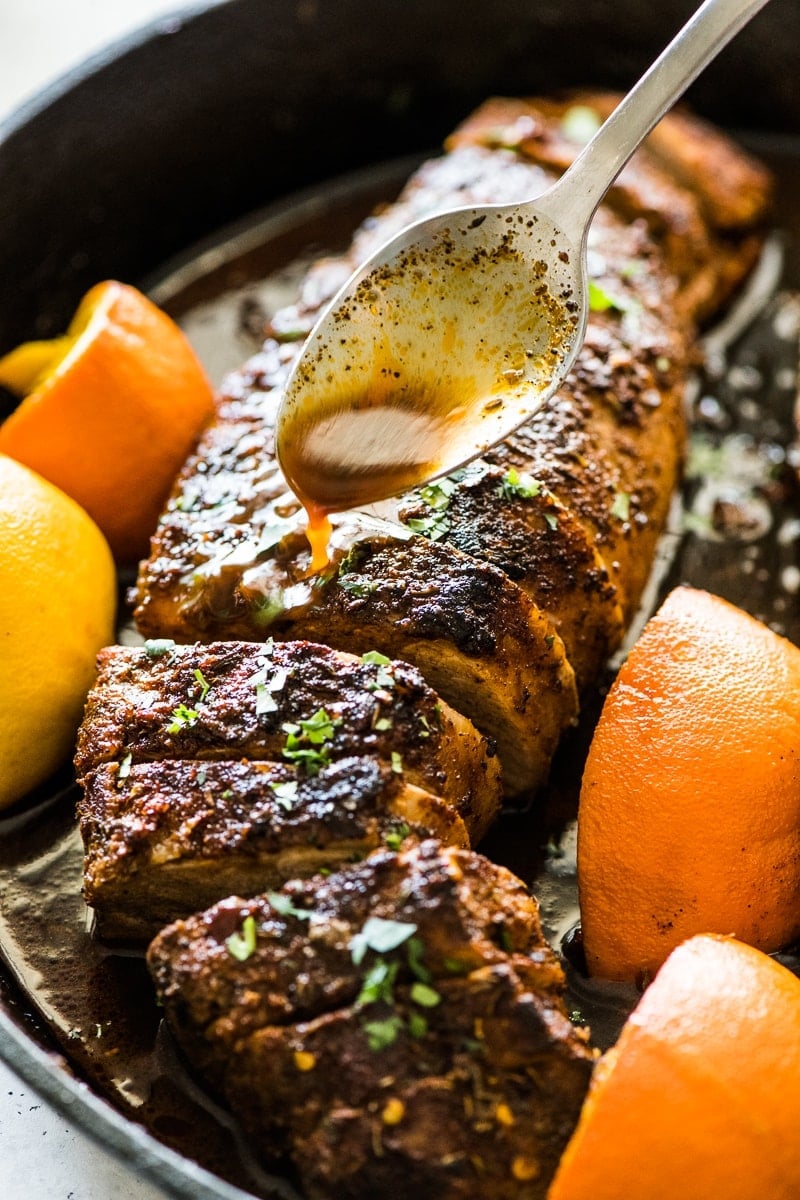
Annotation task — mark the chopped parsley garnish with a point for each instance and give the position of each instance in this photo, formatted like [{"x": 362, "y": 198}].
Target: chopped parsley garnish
[
  {"x": 205, "y": 686},
  {"x": 395, "y": 837},
  {"x": 285, "y": 793},
  {"x": 437, "y": 495},
  {"x": 375, "y": 656},
  {"x": 416, "y": 951},
  {"x": 434, "y": 527},
  {"x": 382, "y": 724},
  {"x": 266, "y": 608},
  {"x": 426, "y": 729},
  {"x": 519, "y": 483},
  {"x": 397, "y": 762},
  {"x": 417, "y": 1025},
  {"x": 266, "y": 688},
  {"x": 424, "y": 995},
  {"x": 601, "y": 300},
  {"x": 182, "y": 718},
  {"x": 307, "y": 741},
  {"x": 381, "y": 936},
  {"x": 156, "y": 647},
  {"x": 125, "y": 767},
  {"x": 384, "y": 677},
  {"x": 552, "y": 520},
  {"x": 265, "y": 702},
  {"x": 378, "y": 984},
  {"x": 577, "y": 1017},
  {"x": 621, "y": 508},
  {"x": 357, "y": 585},
  {"x": 241, "y": 945},
  {"x": 455, "y": 966},
  {"x": 381, "y": 1034},
  {"x": 286, "y": 908}
]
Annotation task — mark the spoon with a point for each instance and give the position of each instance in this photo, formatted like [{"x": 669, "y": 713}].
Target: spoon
[{"x": 457, "y": 329}]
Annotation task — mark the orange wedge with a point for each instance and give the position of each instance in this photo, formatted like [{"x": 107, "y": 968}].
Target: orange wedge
[
  {"x": 700, "y": 1097},
  {"x": 110, "y": 411},
  {"x": 689, "y": 818}
]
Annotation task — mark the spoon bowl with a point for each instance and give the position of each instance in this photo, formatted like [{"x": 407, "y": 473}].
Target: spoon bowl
[{"x": 459, "y": 328}]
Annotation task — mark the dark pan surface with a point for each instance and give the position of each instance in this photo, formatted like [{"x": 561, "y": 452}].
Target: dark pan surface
[
  {"x": 183, "y": 130},
  {"x": 736, "y": 534}
]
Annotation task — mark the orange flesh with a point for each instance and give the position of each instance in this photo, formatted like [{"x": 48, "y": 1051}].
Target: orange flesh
[{"x": 689, "y": 818}]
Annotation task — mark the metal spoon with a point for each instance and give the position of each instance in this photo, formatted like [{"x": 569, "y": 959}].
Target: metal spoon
[{"x": 456, "y": 330}]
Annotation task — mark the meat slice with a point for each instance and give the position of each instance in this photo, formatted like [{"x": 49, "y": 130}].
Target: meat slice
[
  {"x": 424, "y": 1039},
  {"x": 285, "y": 701},
  {"x": 164, "y": 839}
]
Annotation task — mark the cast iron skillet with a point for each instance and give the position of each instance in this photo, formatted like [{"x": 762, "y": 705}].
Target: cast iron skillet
[{"x": 199, "y": 120}]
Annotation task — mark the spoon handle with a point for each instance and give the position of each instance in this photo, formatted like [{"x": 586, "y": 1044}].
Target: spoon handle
[{"x": 573, "y": 199}]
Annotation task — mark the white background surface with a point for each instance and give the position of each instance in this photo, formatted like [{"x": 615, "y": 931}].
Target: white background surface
[{"x": 41, "y": 1157}]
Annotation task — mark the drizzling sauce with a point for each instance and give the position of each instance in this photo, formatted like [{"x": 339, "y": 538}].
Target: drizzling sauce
[{"x": 427, "y": 360}]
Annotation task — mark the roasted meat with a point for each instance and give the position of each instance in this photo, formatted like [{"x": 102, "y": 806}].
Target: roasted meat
[
  {"x": 502, "y": 582},
  {"x": 164, "y": 839},
  {"x": 399, "y": 1024},
  {"x": 231, "y": 767}
]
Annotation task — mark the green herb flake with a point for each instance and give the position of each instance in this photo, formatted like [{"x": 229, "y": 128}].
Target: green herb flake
[
  {"x": 285, "y": 793},
  {"x": 519, "y": 484},
  {"x": 357, "y": 585},
  {"x": 397, "y": 762},
  {"x": 425, "y": 732},
  {"x": 424, "y": 995},
  {"x": 378, "y": 984},
  {"x": 381, "y": 936},
  {"x": 382, "y": 724},
  {"x": 433, "y": 527},
  {"x": 621, "y": 508},
  {"x": 266, "y": 608},
  {"x": 382, "y": 1034},
  {"x": 601, "y": 300},
  {"x": 374, "y": 656},
  {"x": 205, "y": 686},
  {"x": 437, "y": 495},
  {"x": 201, "y": 778},
  {"x": 384, "y": 677},
  {"x": 227, "y": 794},
  {"x": 307, "y": 740},
  {"x": 265, "y": 702},
  {"x": 157, "y": 647},
  {"x": 125, "y": 767},
  {"x": 417, "y": 1025},
  {"x": 284, "y": 905},
  {"x": 416, "y": 953},
  {"x": 182, "y": 718},
  {"x": 506, "y": 941},
  {"x": 395, "y": 837},
  {"x": 552, "y": 520},
  {"x": 577, "y": 1017},
  {"x": 455, "y": 966},
  {"x": 241, "y": 945}
]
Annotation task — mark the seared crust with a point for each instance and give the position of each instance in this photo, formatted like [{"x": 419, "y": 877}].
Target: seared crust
[
  {"x": 164, "y": 839},
  {"x": 132, "y": 711},
  {"x": 477, "y": 1089},
  {"x": 703, "y": 198}
]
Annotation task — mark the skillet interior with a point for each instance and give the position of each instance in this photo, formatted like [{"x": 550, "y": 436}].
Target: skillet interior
[{"x": 181, "y": 132}]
